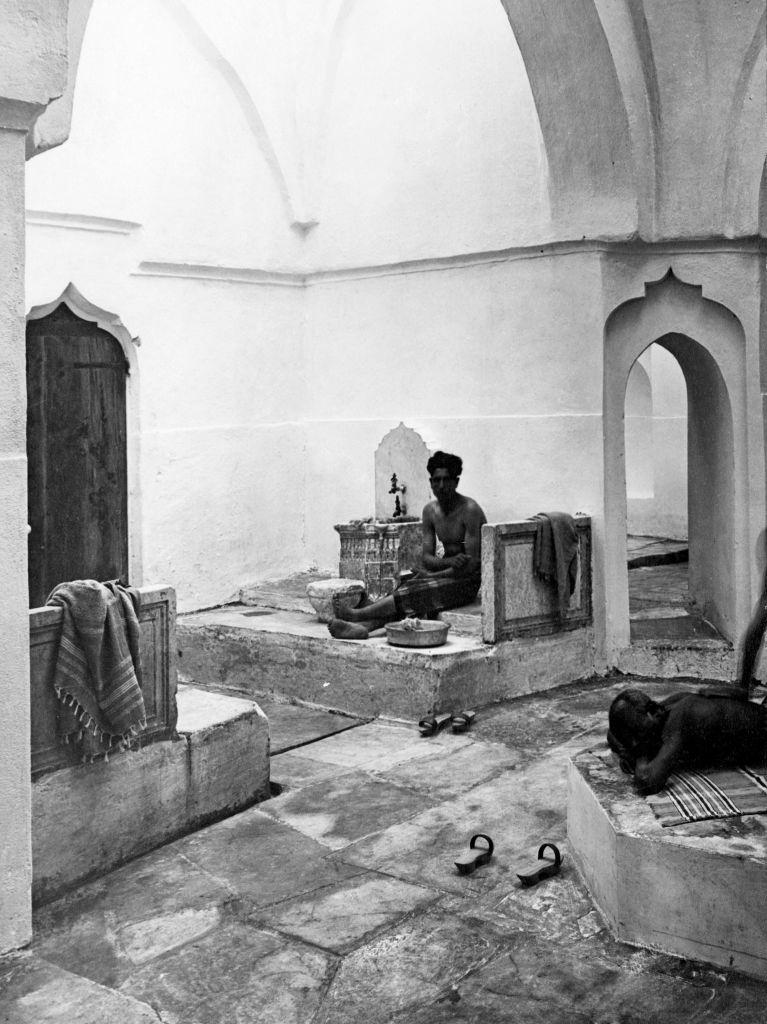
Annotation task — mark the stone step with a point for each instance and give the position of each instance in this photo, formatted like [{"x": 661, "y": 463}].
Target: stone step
[
  {"x": 89, "y": 818},
  {"x": 691, "y": 658}
]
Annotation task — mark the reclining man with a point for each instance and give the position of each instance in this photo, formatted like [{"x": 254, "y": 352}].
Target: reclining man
[
  {"x": 709, "y": 729},
  {"x": 686, "y": 730},
  {"x": 447, "y": 582}
]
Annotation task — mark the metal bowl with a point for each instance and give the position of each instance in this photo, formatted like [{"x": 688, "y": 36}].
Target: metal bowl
[{"x": 426, "y": 634}]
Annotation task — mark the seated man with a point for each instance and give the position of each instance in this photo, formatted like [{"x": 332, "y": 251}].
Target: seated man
[
  {"x": 686, "y": 730},
  {"x": 447, "y": 582}
]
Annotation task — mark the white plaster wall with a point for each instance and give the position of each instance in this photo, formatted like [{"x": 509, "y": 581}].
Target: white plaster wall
[
  {"x": 479, "y": 360},
  {"x": 285, "y": 163},
  {"x": 217, "y": 487},
  {"x": 432, "y": 141},
  {"x": 669, "y": 438},
  {"x": 159, "y": 137},
  {"x": 656, "y": 446},
  {"x": 640, "y": 477},
  {"x": 203, "y": 146}
]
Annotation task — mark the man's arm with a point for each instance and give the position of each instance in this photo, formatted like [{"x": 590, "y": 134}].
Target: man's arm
[
  {"x": 470, "y": 563},
  {"x": 429, "y": 542},
  {"x": 651, "y": 776}
]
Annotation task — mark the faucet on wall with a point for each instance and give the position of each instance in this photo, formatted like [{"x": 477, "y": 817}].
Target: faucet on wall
[{"x": 399, "y": 509}]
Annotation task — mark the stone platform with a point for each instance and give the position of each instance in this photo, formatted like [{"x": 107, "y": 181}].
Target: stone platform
[
  {"x": 89, "y": 818},
  {"x": 259, "y": 651},
  {"x": 695, "y": 891}
]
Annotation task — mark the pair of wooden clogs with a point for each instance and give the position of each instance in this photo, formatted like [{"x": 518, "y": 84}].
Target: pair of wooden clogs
[
  {"x": 430, "y": 725},
  {"x": 529, "y": 874}
]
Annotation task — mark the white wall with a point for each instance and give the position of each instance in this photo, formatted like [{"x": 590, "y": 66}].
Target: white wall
[
  {"x": 202, "y": 147},
  {"x": 432, "y": 144},
  {"x": 334, "y": 215},
  {"x": 656, "y": 446},
  {"x": 479, "y": 360}
]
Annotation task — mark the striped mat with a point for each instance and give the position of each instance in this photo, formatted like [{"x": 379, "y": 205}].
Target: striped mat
[{"x": 722, "y": 793}]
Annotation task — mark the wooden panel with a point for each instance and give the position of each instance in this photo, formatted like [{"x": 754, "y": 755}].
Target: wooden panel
[
  {"x": 76, "y": 443},
  {"x": 157, "y": 617},
  {"x": 515, "y": 603}
]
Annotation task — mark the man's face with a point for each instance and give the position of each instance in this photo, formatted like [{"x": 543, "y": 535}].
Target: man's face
[{"x": 443, "y": 485}]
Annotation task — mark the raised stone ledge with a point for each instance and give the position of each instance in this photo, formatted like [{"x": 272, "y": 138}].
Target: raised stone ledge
[
  {"x": 694, "y": 891},
  {"x": 292, "y": 655},
  {"x": 90, "y": 818}
]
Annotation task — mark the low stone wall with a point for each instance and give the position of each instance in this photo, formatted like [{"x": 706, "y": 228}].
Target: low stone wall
[
  {"x": 515, "y": 603},
  {"x": 90, "y": 818}
]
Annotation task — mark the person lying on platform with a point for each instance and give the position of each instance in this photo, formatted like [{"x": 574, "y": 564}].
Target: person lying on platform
[
  {"x": 707, "y": 729},
  {"x": 444, "y": 582}
]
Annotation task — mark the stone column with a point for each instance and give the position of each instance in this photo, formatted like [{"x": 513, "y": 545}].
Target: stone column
[
  {"x": 15, "y": 787},
  {"x": 33, "y": 71}
]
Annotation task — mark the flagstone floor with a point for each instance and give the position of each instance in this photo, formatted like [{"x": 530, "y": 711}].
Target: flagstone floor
[{"x": 338, "y": 900}]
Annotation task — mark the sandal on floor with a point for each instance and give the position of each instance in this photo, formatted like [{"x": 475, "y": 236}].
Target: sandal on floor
[
  {"x": 463, "y": 720},
  {"x": 476, "y": 856},
  {"x": 431, "y": 724},
  {"x": 542, "y": 868}
]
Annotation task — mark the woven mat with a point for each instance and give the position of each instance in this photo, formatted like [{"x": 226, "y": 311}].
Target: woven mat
[{"x": 699, "y": 796}]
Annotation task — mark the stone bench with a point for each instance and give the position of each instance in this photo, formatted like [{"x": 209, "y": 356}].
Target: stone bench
[{"x": 89, "y": 818}]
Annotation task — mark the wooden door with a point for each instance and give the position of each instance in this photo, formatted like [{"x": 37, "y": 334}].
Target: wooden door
[{"x": 76, "y": 447}]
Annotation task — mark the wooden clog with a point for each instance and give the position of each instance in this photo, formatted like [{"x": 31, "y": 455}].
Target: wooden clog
[
  {"x": 476, "y": 856},
  {"x": 463, "y": 720},
  {"x": 431, "y": 724},
  {"x": 542, "y": 868}
]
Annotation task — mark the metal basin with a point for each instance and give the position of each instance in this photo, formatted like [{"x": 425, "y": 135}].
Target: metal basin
[{"x": 417, "y": 633}]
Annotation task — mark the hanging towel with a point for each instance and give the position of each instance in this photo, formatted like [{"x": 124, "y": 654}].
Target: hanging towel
[
  {"x": 98, "y": 668},
  {"x": 555, "y": 554}
]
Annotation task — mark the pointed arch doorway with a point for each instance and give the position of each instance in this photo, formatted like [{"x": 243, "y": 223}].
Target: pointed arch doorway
[
  {"x": 77, "y": 446},
  {"x": 708, "y": 343}
]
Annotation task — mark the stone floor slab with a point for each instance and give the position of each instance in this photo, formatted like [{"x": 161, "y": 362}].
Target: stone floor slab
[
  {"x": 262, "y": 860},
  {"x": 518, "y": 809},
  {"x": 415, "y": 964},
  {"x": 450, "y": 772},
  {"x": 338, "y": 811},
  {"x": 235, "y": 974},
  {"x": 338, "y": 918},
  {"x": 35, "y": 992},
  {"x": 291, "y": 725},
  {"x": 380, "y": 745},
  {"x": 292, "y": 770},
  {"x": 229, "y": 923},
  {"x": 103, "y": 929}
]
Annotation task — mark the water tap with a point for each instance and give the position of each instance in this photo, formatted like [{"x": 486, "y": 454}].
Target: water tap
[{"x": 399, "y": 509}]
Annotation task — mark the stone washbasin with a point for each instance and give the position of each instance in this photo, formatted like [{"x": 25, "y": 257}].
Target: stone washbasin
[{"x": 321, "y": 594}]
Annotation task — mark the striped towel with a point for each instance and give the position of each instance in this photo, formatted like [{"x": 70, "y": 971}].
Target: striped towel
[
  {"x": 722, "y": 793},
  {"x": 97, "y": 677}
]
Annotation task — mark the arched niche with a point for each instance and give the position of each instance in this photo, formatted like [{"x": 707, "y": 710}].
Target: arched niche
[
  {"x": 118, "y": 348},
  {"x": 708, "y": 342}
]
